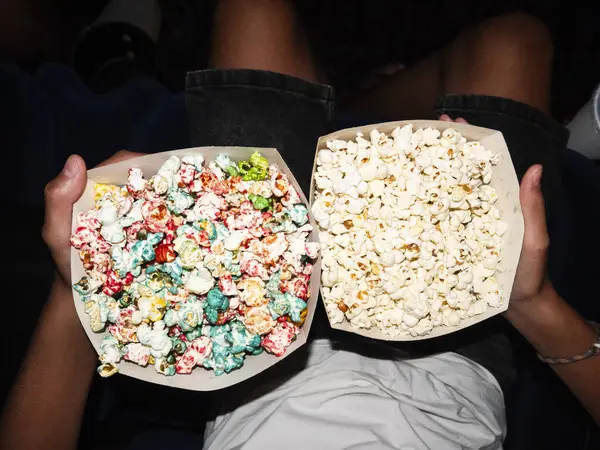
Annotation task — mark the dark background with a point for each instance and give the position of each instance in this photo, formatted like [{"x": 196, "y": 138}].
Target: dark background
[{"x": 351, "y": 37}]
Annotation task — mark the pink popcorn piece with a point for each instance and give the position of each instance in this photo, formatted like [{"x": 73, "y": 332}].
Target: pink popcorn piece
[
  {"x": 137, "y": 353},
  {"x": 186, "y": 174},
  {"x": 278, "y": 340}
]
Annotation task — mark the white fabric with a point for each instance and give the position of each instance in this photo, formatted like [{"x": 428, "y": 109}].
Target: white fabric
[{"x": 343, "y": 400}]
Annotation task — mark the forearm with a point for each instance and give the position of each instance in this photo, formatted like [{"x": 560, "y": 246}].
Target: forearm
[
  {"x": 47, "y": 401},
  {"x": 556, "y": 330}
]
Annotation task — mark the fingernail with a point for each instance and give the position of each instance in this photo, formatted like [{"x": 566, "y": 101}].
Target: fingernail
[
  {"x": 71, "y": 168},
  {"x": 537, "y": 177}
]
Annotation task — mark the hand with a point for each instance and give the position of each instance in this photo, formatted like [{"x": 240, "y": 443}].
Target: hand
[
  {"x": 61, "y": 194},
  {"x": 530, "y": 279}
]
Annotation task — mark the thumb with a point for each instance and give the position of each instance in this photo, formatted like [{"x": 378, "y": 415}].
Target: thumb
[
  {"x": 535, "y": 240},
  {"x": 61, "y": 193}
]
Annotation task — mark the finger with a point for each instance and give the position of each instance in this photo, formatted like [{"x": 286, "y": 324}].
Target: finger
[
  {"x": 535, "y": 240},
  {"x": 121, "y": 155},
  {"x": 461, "y": 120},
  {"x": 61, "y": 193},
  {"x": 445, "y": 118}
]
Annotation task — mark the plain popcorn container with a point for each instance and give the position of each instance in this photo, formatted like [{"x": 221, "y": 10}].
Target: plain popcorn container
[
  {"x": 504, "y": 181},
  {"x": 200, "y": 379}
]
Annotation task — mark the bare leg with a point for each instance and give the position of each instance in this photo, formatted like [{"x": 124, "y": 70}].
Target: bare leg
[
  {"x": 262, "y": 35},
  {"x": 508, "y": 56}
]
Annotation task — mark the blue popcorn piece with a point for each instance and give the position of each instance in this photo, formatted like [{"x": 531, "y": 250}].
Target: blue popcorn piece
[
  {"x": 190, "y": 314},
  {"x": 194, "y": 334},
  {"x": 299, "y": 214},
  {"x": 286, "y": 304},
  {"x": 240, "y": 339},
  {"x": 216, "y": 302},
  {"x": 142, "y": 251},
  {"x": 178, "y": 201},
  {"x": 281, "y": 222},
  {"x": 223, "y": 359},
  {"x": 172, "y": 269},
  {"x": 272, "y": 285},
  {"x": 279, "y": 305}
]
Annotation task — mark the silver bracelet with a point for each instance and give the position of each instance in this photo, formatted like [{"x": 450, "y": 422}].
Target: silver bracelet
[{"x": 593, "y": 351}]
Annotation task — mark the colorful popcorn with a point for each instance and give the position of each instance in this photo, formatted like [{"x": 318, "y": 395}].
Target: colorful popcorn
[{"x": 198, "y": 266}]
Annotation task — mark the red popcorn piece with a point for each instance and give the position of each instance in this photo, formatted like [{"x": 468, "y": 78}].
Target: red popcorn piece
[
  {"x": 114, "y": 284},
  {"x": 165, "y": 253},
  {"x": 278, "y": 340}
]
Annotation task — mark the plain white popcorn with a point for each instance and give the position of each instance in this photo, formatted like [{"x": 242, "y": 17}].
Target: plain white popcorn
[{"x": 410, "y": 235}]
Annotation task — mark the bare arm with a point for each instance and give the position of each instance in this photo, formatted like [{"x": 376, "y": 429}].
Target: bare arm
[
  {"x": 556, "y": 330},
  {"x": 536, "y": 310},
  {"x": 46, "y": 403}
]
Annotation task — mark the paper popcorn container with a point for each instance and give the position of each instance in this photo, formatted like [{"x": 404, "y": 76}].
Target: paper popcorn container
[
  {"x": 505, "y": 182},
  {"x": 200, "y": 379}
]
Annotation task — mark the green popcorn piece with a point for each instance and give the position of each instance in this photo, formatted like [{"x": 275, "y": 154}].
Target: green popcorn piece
[
  {"x": 255, "y": 174},
  {"x": 259, "y": 161},
  {"x": 232, "y": 171},
  {"x": 244, "y": 167},
  {"x": 261, "y": 203}
]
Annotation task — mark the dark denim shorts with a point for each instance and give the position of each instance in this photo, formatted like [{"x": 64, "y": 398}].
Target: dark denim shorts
[{"x": 256, "y": 108}]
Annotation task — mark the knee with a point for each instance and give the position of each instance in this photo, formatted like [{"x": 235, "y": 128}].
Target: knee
[{"x": 517, "y": 36}]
